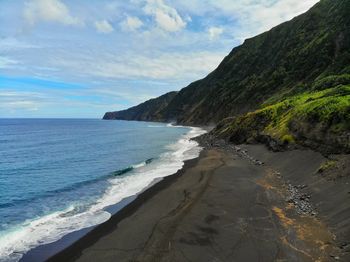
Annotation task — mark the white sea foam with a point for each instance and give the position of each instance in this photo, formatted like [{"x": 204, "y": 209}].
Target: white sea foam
[
  {"x": 54, "y": 226},
  {"x": 139, "y": 165},
  {"x": 45, "y": 230}
]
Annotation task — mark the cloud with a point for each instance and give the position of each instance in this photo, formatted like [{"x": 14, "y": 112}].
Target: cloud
[
  {"x": 245, "y": 18},
  {"x": 104, "y": 26},
  {"x": 215, "y": 32},
  {"x": 8, "y": 44},
  {"x": 166, "y": 17},
  {"x": 131, "y": 23},
  {"x": 129, "y": 67},
  {"x": 170, "y": 66},
  {"x": 48, "y": 11},
  {"x": 6, "y": 62},
  {"x": 256, "y": 17},
  {"x": 14, "y": 100},
  {"x": 272, "y": 13},
  {"x": 126, "y": 95}
]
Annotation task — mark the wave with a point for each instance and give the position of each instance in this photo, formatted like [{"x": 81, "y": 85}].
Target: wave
[
  {"x": 74, "y": 186},
  {"x": 148, "y": 161},
  {"x": 52, "y": 227}
]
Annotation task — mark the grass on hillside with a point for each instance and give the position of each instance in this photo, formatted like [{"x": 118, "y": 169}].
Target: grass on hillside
[{"x": 324, "y": 107}]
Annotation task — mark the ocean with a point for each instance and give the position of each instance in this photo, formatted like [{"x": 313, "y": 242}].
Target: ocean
[{"x": 58, "y": 176}]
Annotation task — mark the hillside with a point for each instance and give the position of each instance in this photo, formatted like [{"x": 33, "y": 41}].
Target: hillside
[
  {"x": 147, "y": 111},
  {"x": 308, "y": 54},
  {"x": 319, "y": 119}
]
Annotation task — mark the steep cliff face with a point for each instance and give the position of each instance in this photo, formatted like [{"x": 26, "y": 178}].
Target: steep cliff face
[
  {"x": 308, "y": 54},
  {"x": 147, "y": 111},
  {"x": 273, "y": 65}
]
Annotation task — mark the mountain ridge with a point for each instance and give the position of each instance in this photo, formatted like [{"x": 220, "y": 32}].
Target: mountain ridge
[
  {"x": 145, "y": 111},
  {"x": 284, "y": 62}
]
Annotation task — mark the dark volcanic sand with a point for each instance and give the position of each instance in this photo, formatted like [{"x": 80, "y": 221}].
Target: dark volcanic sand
[{"x": 223, "y": 207}]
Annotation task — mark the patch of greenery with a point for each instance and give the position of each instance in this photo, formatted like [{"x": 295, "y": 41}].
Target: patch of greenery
[
  {"x": 288, "y": 139},
  {"x": 330, "y": 81},
  {"x": 329, "y": 107},
  {"x": 329, "y": 164},
  {"x": 309, "y": 115}
]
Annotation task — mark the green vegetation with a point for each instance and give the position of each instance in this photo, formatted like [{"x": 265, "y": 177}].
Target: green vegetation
[
  {"x": 329, "y": 164},
  {"x": 315, "y": 116},
  {"x": 288, "y": 139},
  {"x": 290, "y": 84},
  {"x": 330, "y": 81}
]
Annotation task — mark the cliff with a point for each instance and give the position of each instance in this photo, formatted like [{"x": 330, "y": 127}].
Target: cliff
[
  {"x": 297, "y": 74},
  {"x": 147, "y": 111}
]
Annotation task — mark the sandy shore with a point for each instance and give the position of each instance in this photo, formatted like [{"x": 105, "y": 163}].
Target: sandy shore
[{"x": 224, "y": 207}]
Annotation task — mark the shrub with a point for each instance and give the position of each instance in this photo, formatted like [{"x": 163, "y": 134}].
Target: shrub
[
  {"x": 331, "y": 81},
  {"x": 288, "y": 139},
  {"x": 327, "y": 165}
]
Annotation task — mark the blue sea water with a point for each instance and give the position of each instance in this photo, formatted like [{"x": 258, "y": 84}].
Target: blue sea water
[{"x": 59, "y": 175}]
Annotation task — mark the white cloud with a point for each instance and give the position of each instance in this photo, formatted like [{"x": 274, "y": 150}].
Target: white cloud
[
  {"x": 104, "y": 26},
  {"x": 166, "y": 17},
  {"x": 20, "y": 100},
  {"x": 48, "y": 11},
  {"x": 8, "y": 44},
  {"x": 170, "y": 66},
  {"x": 6, "y": 62},
  {"x": 123, "y": 64},
  {"x": 246, "y": 18},
  {"x": 215, "y": 32},
  {"x": 128, "y": 94},
  {"x": 265, "y": 15},
  {"x": 131, "y": 23}
]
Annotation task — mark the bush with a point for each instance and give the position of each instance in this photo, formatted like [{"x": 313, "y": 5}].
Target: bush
[
  {"x": 327, "y": 165},
  {"x": 288, "y": 139},
  {"x": 331, "y": 81}
]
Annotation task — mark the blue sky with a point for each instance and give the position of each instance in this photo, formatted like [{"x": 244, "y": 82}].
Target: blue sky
[{"x": 79, "y": 58}]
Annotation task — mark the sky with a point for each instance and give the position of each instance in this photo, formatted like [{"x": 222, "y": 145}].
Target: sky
[{"x": 80, "y": 58}]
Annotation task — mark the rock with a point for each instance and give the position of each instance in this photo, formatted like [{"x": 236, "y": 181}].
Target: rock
[
  {"x": 344, "y": 244},
  {"x": 289, "y": 200},
  {"x": 300, "y": 200}
]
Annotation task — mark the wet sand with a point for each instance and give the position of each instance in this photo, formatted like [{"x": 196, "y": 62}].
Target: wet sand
[{"x": 223, "y": 207}]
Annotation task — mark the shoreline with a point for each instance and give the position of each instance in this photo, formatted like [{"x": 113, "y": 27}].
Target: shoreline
[
  {"x": 263, "y": 178},
  {"x": 73, "y": 250},
  {"x": 46, "y": 251},
  {"x": 173, "y": 160}
]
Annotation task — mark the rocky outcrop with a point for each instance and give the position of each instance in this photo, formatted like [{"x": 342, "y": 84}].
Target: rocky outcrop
[{"x": 147, "y": 111}]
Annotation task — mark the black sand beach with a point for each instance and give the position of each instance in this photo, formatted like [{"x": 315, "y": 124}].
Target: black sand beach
[{"x": 245, "y": 204}]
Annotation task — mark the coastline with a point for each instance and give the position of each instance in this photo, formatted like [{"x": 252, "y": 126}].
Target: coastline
[
  {"x": 72, "y": 251},
  {"x": 45, "y": 251},
  {"x": 182, "y": 150},
  {"x": 189, "y": 206}
]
